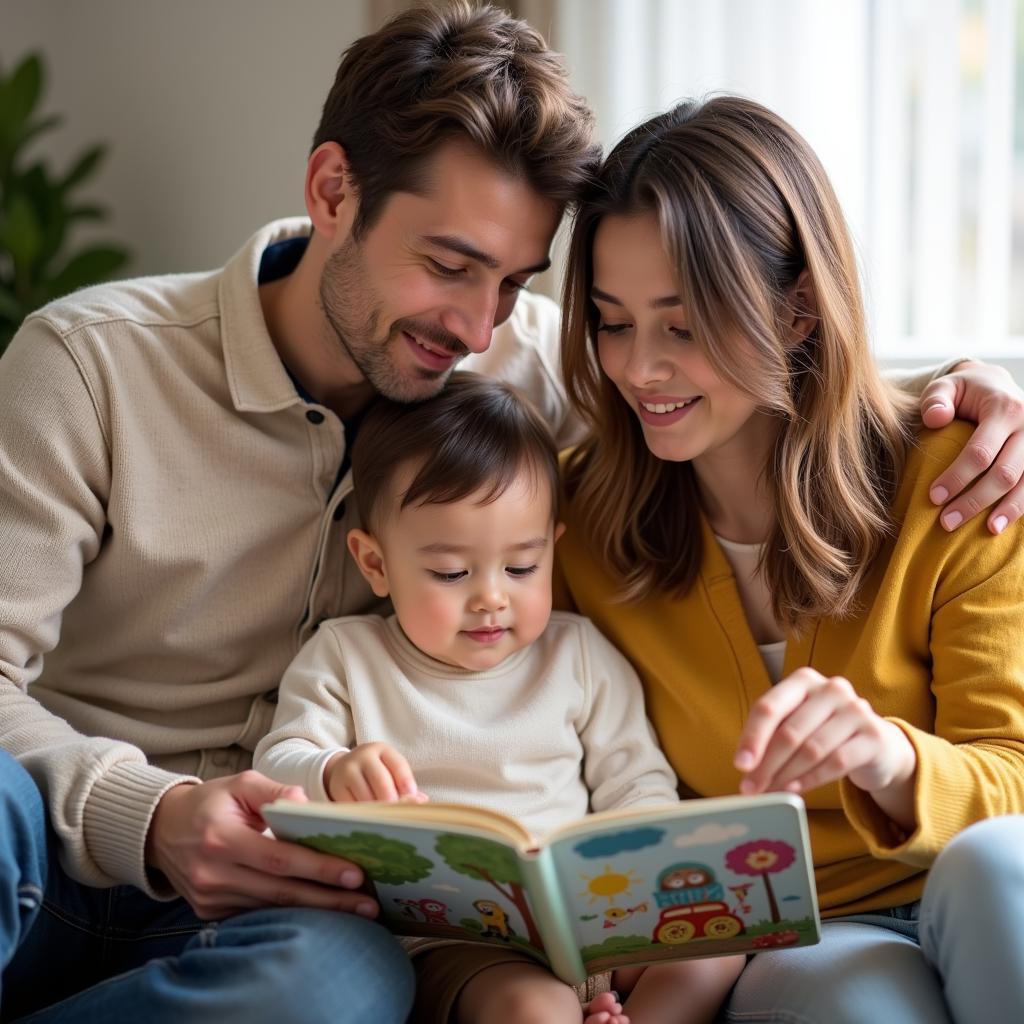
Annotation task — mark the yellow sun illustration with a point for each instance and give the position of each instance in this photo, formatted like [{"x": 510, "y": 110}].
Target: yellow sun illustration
[{"x": 608, "y": 884}]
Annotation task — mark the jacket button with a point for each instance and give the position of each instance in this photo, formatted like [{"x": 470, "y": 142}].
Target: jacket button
[{"x": 315, "y": 416}]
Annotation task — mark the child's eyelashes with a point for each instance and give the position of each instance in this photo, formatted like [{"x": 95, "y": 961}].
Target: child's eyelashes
[
  {"x": 448, "y": 577},
  {"x": 519, "y": 571},
  {"x": 515, "y": 571}
]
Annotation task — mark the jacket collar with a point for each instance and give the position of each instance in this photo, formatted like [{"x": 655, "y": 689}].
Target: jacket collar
[{"x": 257, "y": 378}]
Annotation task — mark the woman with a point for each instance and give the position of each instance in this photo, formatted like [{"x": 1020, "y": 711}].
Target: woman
[{"x": 749, "y": 522}]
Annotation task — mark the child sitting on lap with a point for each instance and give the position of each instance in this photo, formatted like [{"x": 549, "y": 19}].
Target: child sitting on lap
[{"x": 474, "y": 691}]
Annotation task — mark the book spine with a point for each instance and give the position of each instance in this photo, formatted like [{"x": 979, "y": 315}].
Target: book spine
[{"x": 551, "y": 917}]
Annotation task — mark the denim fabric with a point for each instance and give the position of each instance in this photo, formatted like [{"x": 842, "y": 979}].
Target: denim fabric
[
  {"x": 91, "y": 955},
  {"x": 957, "y": 956}
]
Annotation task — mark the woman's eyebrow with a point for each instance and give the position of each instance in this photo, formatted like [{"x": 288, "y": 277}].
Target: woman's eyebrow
[{"x": 662, "y": 303}]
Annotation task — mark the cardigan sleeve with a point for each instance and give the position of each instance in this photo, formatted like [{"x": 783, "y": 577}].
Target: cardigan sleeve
[
  {"x": 313, "y": 721},
  {"x": 623, "y": 765},
  {"x": 970, "y": 766}
]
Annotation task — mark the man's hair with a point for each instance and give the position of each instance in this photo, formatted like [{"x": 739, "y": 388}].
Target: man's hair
[
  {"x": 432, "y": 75},
  {"x": 477, "y": 436}
]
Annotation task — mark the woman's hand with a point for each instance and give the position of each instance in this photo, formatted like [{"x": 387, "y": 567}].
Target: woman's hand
[
  {"x": 373, "y": 771},
  {"x": 810, "y": 729},
  {"x": 991, "y": 466}
]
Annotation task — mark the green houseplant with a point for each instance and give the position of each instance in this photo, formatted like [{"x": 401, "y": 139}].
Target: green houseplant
[{"x": 38, "y": 207}]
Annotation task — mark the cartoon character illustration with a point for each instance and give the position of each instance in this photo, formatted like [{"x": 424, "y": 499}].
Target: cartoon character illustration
[
  {"x": 688, "y": 882},
  {"x": 494, "y": 918},
  {"x": 433, "y": 911},
  {"x": 713, "y": 920},
  {"x": 740, "y": 892},
  {"x": 614, "y": 916}
]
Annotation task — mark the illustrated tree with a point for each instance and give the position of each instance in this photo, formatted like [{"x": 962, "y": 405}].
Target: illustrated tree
[
  {"x": 385, "y": 861},
  {"x": 762, "y": 857},
  {"x": 492, "y": 863}
]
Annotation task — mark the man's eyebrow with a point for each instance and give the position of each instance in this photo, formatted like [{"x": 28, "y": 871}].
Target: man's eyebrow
[
  {"x": 459, "y": 245},
  {"x": 663, "y": 303},
  {"x": 442, "y": 548}
]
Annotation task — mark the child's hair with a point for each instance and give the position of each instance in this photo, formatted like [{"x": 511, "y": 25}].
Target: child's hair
[
  {"x": 476, "y": 435},
  {"x": 744, "y": 207}
]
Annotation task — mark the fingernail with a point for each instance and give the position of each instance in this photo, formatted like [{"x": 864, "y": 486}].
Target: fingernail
[
  {"x": 744, "y": 760},
  {"x": 951, "y": 520},
  {"x": 747, "y": 786},
  {"x": 350, "y": 879},
  {"x": 999, "y": 523},
  {"x": 935, "y": 405},
  {"x": 366, "y": 910},
  {"x": 938, "y": 495}
]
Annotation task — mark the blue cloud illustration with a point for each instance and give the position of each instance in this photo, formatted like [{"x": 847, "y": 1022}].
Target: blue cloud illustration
[{"x": 620, "y": 842}]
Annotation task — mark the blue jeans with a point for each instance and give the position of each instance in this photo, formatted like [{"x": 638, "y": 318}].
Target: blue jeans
[
  {"x": 957, "y": 956},
  {"x": 69, "y": 952}
]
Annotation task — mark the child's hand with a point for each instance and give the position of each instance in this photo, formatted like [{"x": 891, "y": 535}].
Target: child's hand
[{"x": 373, "y": 771}]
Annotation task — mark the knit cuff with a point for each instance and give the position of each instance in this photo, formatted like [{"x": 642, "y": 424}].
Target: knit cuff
[
  {"x": 938, "y": 798},
  {"x": 117, "y": 818}
]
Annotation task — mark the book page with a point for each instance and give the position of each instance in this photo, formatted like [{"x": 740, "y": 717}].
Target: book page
[
  {"x": 450, "y": 881},
  {"x": 709, "y": 878}
]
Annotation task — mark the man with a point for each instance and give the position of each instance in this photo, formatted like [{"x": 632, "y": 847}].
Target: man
[{"x": 174, "y": 491}]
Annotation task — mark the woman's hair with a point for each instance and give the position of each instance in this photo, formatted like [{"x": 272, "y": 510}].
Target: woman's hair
[
  {"x": 435, "y": 73},
  {"x": 476, "y": 435},
  {"x": 744, "y": 206}
]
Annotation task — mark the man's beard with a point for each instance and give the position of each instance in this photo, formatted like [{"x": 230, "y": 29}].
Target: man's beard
[{"x": 354, "y": 314}]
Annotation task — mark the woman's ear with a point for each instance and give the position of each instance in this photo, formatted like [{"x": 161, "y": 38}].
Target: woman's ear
[
  {"x": 367, "y": 554},
  {"x": 330, "y": 196},
  {"x": 803, "y": 308}
]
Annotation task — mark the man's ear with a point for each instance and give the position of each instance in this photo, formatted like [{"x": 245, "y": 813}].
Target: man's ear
[
  {"x": 367, "y": 554},
  {"x": 803, "y": 306},
  {"x": 331, "y": 201}
]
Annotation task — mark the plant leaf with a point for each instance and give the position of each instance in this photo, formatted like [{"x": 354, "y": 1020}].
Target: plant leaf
[
  {"x": 87, "y": 267},
  {"x": 84, "y": 167},
  {"x": 22, "y": 236},
  {"x": 20, "y": 95}
]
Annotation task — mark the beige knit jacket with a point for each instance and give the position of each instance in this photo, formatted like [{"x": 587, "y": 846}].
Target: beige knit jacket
[{"x": 171, "y": 536}]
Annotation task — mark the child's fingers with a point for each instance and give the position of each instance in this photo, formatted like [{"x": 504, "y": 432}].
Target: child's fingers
[
  {"x": 378, "y": 779},
  {"x": 401, "y": 773}
]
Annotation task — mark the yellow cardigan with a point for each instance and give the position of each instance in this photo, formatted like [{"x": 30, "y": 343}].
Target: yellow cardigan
[{"x": 938, "y": 648}]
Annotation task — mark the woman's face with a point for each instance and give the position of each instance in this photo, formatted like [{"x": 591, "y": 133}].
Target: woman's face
[{"x": 687, "y": 411}]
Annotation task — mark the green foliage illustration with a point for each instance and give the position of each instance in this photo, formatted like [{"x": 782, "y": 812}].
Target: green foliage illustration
[
  {"x": 38, "y": 207},
  {"x": 386, "y": 861},
  {"x": 492, "y": 863}
]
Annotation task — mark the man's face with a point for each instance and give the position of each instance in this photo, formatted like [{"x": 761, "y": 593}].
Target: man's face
[{"x": 436, "y": 272}]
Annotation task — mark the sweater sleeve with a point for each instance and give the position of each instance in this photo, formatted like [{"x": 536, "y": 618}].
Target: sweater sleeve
[
  {"x": 313, "y": 721},
  {"x": 54, "y": 485},
  {"x": 970, "y": 766},
  {"x": 623, "y": 765}
]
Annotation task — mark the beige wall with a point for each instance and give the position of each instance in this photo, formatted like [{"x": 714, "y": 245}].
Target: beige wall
[{"x": 209, "y": 107}]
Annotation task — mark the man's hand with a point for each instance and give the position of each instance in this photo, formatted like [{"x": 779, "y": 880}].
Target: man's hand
[
  {"x": 373, "y": 771},
  {"x": 992, "y": 463},
  {"x": 207, "y": 841}
]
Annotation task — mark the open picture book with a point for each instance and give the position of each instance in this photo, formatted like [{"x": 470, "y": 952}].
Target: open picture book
[{"x": 620, "y": 888}]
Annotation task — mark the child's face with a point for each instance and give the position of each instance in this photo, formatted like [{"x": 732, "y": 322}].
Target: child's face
[
  {"x": 686, "y": 410},
  {"x": 470, "y": 583}
]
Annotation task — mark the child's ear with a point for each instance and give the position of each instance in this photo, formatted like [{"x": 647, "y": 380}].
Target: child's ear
[
  {"x": 559, "y": 530},
  {"x": 367, "y": 554}
]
